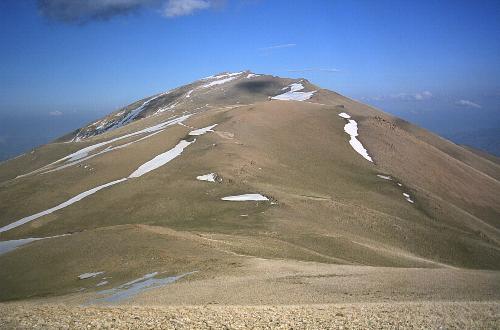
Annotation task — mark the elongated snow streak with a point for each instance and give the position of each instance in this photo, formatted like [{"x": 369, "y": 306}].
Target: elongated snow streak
[
  {"x": 344, "y": 115},
  {"x": 245, "y": 197},
  {"x": 408, "y": 198},
  {"x": 130, "y": 289},
  {"x": 224, "y": 75},
  {"x": 252, "y": 75},
  {"x": 167, "y": 156},
  {"x": 84, "y": 152},
  {"x": 125, "y": 120},
  {"x": 80, "y": 155},
  {"x": 293, "y": 94},
  {"x": 161, "y": 159},
  {"x": 147, "y": 167},
  {"x": 7, "y": 246},
  {"x": 108, "y": 149},
  {"x": 351, "y": 128},
  {"x": 70, "y": 201},
  {"x": 202, "y": 131},
  {"x": 210, "y": 177},
  {"x": 85, "y": 276},
  {"x": 218, "y": 82},
  {"x": 385, "y": 177}
]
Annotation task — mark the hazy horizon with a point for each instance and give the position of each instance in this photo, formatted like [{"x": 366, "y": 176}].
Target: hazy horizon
[{"x": 69, "y": 62}]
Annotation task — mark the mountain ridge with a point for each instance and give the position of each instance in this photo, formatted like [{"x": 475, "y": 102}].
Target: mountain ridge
[{"x": 337, "y": 181}]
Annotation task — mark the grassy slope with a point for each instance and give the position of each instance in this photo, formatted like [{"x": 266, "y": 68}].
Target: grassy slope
[{"x": 331, "y": 206}]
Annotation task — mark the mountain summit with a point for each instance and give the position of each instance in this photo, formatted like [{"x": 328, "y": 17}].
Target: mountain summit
[{"x": 234, "y": 185}]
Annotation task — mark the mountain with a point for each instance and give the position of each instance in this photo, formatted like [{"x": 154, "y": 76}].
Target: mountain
[{"x": 247, "y": 188}]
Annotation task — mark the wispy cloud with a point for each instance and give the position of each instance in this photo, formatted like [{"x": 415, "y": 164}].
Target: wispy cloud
[
  {"x": 418, "y": 96},
  {"x": 175, "y": 8},
  {"x": 85, "y": 11},
  {"x": 315, "y": 70},
  {"x": 55, "y": 113},
  {"x": 468, "y": 104},
  {"x": 278, "y": 46}
]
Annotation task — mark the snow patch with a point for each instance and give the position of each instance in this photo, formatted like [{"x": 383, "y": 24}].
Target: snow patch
[
  {"x": 246, "y": 197},
  {"x": 385, "y": 177},
  {"x": 252, "y": 75},
  {"x": 224, "y": 75},
  {"x": 210, "y": 177},
  {"x": 294, "y": 94},
  {"x": 167, "y": 156},
  {"x": 218, "y": 82},
  {"x": 149, "y": 166},
  {"x": 344, "y": 115},
  {"x": 70, "y": 201},
  {"x": 82, "y": 154},
  {"x": 202, "y": 131},
  {"x": 7, "y": 246},
  {"x": 85, "y": 276},
  {"x": 408, "y": 198},
  {"x": 106, "y": 125},
  {"x": 351, "y": 128},
  {"x": 130, "y": 289},
  {"x": 161, "y": 159}
]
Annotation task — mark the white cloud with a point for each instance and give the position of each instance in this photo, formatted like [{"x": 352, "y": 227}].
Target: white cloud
[
  {"x": 469, "y": 104},
  {"x": 55, "y": 113},
  {"x": 278, "y": 46},
  {"x": 174, "y": 8}
]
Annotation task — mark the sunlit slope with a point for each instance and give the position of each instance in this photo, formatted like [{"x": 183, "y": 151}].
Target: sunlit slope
[{"x": 326, "y": 202}]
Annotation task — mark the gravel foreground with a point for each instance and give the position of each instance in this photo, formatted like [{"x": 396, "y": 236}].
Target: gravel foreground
[{"x": 421, "y": 315}]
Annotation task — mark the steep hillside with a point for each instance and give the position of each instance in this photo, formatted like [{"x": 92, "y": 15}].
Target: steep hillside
[{"x": 245, "y": 178}]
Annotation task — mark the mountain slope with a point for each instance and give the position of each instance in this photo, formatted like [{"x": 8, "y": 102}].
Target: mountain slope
[{"x": 124, "y": 192}]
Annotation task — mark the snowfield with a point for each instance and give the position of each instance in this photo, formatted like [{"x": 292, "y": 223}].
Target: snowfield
[
  {"x": 351, "y": 128},
  {"x": 245, "y": 197},
  {"x": 294, "y": 94}
]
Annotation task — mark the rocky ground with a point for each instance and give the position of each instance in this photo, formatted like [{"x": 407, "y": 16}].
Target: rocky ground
[{"x": 422, "y": 315}]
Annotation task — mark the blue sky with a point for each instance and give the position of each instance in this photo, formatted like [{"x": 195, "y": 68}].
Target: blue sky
[{"x": 427, "y": 61}]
